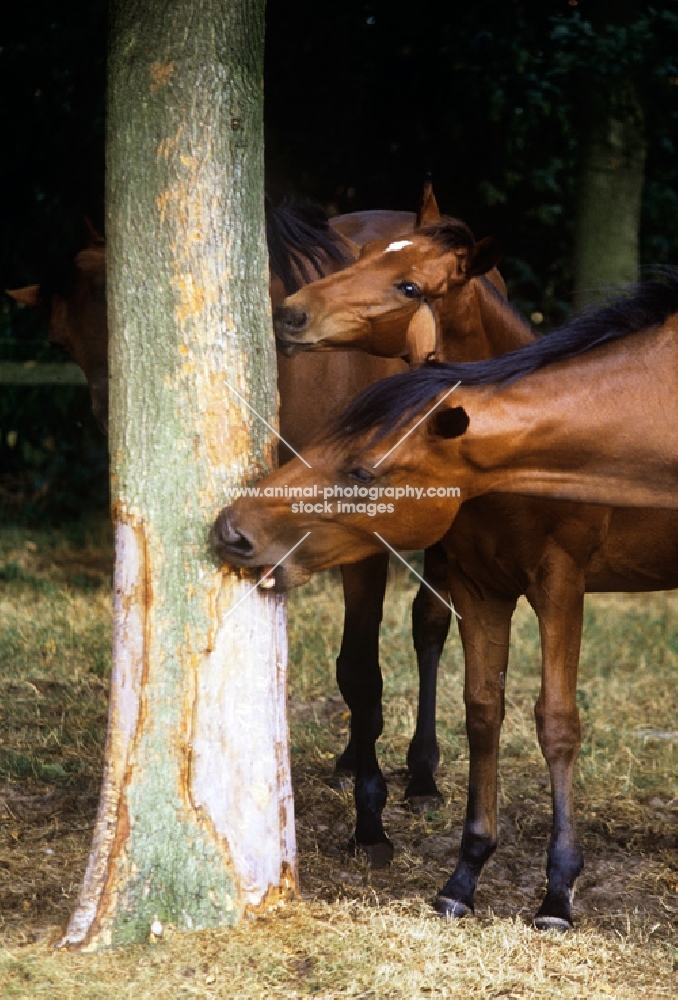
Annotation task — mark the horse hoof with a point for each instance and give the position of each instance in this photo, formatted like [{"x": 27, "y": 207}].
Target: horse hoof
[
  {"x": 420, "y": 804},
  {"x": 376, "y": 855},
  {"x": 544, "y": 923},
  {"x": 451, "y": 909}
]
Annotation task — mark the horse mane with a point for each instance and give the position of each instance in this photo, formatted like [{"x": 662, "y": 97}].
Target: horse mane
[
  {"x": 449, "y": 233},
  {"x": 386, "y": 405},
  {"x": 300, "y": 239}
]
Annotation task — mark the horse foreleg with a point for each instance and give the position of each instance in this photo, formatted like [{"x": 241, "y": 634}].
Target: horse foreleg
[
  {"x": 359, "y": 679},
  {"x": 430, "y": 626},
  {"x": 485, "y": 627},
  {"x": 558, "y": 599}
]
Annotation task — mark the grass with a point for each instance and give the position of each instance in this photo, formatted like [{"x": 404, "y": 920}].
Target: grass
[{"x": 355, "y": 933}]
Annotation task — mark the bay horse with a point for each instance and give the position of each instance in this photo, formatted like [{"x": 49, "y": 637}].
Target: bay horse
[
  {"x": 587, "y": 414},
  {"x": 302, "y": 245},
  {"x": 435, "y": 299}
]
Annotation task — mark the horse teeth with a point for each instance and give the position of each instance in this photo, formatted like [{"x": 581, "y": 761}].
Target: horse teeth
[{"x": 267, "y": 583}]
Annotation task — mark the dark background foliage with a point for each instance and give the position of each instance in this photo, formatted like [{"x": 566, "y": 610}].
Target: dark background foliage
[{"x": 362, "y": 99}]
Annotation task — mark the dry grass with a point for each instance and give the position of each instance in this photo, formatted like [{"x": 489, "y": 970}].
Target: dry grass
[
  {"x": 356, "y": 933},
  {"x": 352, "y": 949}
]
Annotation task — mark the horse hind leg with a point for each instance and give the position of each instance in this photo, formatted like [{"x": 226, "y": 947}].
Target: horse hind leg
[
  {"x": 360, "y": 682},
  {"x": 558, "y": 599},
  {"x": 430, "y": 626},
  {"x": 485, "y": 627}
]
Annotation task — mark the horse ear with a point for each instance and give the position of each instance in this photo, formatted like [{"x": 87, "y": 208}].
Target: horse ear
[
  {"x": 450, "y": 423},
  {"x": 428, "y": 210},
  {"x": 495, "y": 277},
  {"x": 485, "y": 255},
  {"x": 28, "y": 296},
  {"x": 352, "y": 248},
  {"x": 421, "y": 335}
]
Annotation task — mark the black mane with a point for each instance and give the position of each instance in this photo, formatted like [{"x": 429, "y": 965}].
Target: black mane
[
  {"x": 388, "y": 404},
  {"x": 300, "y": 239}
]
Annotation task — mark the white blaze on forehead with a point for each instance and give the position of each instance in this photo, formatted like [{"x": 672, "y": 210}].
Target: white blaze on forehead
[{"x": 398, "y": 245}]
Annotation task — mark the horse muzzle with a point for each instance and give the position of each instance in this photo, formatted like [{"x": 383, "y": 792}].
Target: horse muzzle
[
  {"x": 229, "y": 543},
  {"x": 234, "y": 546},
  {"x": 290, "y": 324}
]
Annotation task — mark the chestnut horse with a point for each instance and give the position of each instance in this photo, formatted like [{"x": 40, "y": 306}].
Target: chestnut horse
[
  {"x": 301, "y": 246},
  {"x": 433, "y": 296},
  {"x": 589, "y": 413}
]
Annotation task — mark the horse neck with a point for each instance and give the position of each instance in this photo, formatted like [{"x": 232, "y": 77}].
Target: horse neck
[
  {"x": 586, "y": 430},
  {"x": 476, "y": 322}
]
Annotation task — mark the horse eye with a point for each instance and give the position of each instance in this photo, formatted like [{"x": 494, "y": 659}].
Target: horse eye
[
  {"x": 361, "y": 475},
  {"x": 409, "y": 289}
]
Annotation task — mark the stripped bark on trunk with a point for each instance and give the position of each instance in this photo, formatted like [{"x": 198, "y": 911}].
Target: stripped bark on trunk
[{"x": 195, "y": 824}]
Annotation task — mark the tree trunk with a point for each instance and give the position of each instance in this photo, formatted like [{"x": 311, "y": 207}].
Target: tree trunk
[
  {"x": 612, "y": 171},
  {"x": 610, "y": 189},
  {"x": 195, "y": 823}
]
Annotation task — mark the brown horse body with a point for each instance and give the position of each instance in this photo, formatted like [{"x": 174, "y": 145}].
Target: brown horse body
[
  {"x": 311, "y": 389},
  {"x": 500, "y": 546}
]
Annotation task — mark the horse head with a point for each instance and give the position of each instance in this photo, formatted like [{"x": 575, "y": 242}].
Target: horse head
[{"x": 389, "y": 302}]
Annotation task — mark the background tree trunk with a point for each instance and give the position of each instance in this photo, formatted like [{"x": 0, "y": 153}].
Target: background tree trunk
[
  {"x": 195, "y": 822},
  {"x": 610, "y": 189},
  {"x": 613, "y": 148}
]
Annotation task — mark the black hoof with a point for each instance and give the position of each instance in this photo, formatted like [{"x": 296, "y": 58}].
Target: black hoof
[
  {"x": 555, "y": 912},
  {"x": 451, "y": 909},
  {"x": 422, "y": 787},
  {"x": 376, "y": 855},
  {"x": 543, "y": 923},
  {"x": 424, "y": 803}
]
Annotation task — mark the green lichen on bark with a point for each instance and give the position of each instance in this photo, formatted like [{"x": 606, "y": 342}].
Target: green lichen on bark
[
  {"x": 177, "y": 878},
  {"x": 185, "y": 159},
  {"x": 188, "y": 312}
]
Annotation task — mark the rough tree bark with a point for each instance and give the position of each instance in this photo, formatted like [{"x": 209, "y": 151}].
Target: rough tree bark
[{"x": 195, "y": 823}]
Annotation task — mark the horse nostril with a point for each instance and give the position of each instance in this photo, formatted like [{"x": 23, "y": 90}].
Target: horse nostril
[
  {"x": 225, "y": 538},
  {"x": 288, "y": 320}
]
